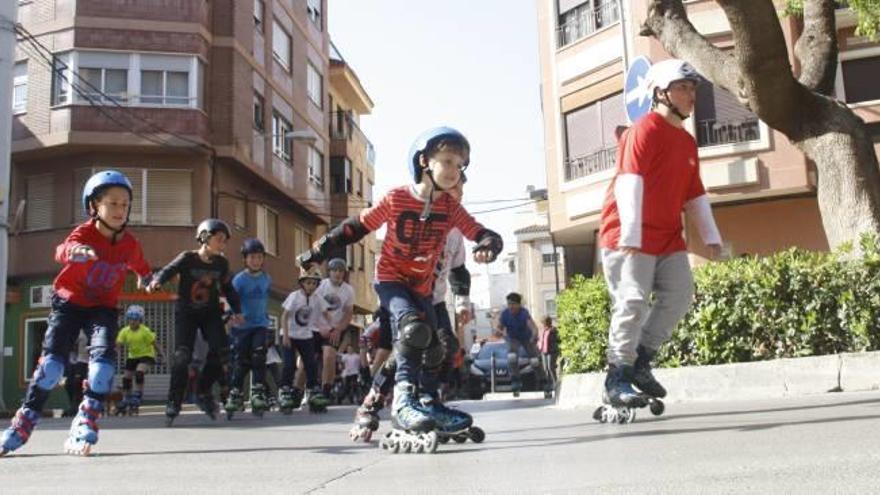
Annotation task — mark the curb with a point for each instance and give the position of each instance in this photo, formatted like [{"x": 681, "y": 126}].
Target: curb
[{"x": 744, "y": 381}]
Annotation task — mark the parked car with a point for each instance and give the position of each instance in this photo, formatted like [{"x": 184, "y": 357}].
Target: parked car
[{"x": 481, "y": 370}]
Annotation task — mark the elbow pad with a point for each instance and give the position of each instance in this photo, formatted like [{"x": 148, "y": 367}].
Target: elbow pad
[
  {"x": 487, "y": 239},
  {"x": 460, "y": 281},
  {"x": 348, "y": 232}
]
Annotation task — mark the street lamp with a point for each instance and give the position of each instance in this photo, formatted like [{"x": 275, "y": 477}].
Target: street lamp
[{"x": 307, "y": 136}]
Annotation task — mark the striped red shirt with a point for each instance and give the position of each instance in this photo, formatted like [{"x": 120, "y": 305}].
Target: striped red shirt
[{"x": 412, "y": 247}]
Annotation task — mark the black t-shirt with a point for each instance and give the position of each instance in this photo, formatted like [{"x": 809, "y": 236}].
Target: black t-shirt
[{"x": 201, "y": 282}]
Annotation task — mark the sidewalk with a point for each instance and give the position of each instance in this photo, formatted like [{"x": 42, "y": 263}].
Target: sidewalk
[{"x": 744, "y": 381}]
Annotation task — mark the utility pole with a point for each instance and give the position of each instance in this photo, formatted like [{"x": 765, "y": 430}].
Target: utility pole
[{"x": 8, "y": 17}]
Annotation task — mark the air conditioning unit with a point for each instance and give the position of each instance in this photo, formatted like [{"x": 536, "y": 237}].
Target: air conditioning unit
[{"x": 41, "y": 296}]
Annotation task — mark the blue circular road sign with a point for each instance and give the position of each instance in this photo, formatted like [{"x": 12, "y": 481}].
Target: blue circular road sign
[{"x": 636, "y": 97}]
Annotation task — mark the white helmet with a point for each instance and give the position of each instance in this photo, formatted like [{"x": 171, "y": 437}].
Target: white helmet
[{"x": 665, "y": 72}]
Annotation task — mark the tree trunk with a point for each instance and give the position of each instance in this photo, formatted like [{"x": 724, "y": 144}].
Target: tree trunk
[{"x": 826, "y": 131}]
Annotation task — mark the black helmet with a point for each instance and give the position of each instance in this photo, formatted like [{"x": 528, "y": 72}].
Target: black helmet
[
  {"x": 252, "y": 245},
  {"x": 209, "y": 227}
]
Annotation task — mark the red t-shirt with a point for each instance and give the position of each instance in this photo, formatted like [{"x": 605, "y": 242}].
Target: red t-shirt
[
  {"x": 664, "y": 160},
  {"x": 97, "y": 283},
  {"x": 412, "y": 247}
]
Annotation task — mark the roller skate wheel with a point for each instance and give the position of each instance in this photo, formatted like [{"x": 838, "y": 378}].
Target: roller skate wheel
[
  {"x": 431, "y": 441},
  {"x": 460, "y": 438},
  {"x": 599, "y": 414},
  {"x": 657, "y": 407},
  {"x": 477, "y": 434},
  {"x": 73, "y": 447},
  {"x": 443, "y": 439},
  {"x": 405, "y": 445}
]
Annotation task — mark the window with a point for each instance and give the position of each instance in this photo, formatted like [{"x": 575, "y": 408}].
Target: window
[
  {"x": 40, "y": 201},
  {"x": 591, "y": 142},
  {"x": 316, "y": 166},
  {"x": 349, "y": 257},
  {"x": 302, "y": 240},
  {"x": 368, "y": 194},
  {"x": 34, "y": 333},
  {"x": 314, "y": 85},
  {"x": 363, "y": 262},
  {"x": 314, "y": 11},
  {"x": 164, "y": 87},
  {"x": 860, "y": 79},
  {"x": 267, "y": 228},
  {"x": 240, "y": 218},
  {"x": 20, "y": 88},
  {"x": 550, "y": 306},
  {"x": 280, "y": 143},
  {"x": 61, "y": 79},
  {"x": 578, "y": 19},
  {"x": 259, "y": 11},
  {"x": 360, "y": 183},
  {"x": 548, "y": 254},
  {"x": 102, "y": 84},
  {"x": 259, "y": 113},
  {"x": 720, "y": 119},
  {"x": 281, "y": 45},
  {"x": 159, "y": 196},
  {"x": 348, "y": 176}
]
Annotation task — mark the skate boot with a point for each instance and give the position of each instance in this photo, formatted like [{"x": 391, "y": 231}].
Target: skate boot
[
  {"x": 172, "y": 410},
  {"x": 452, "y": 423},
  {"x": 84, "y": 428},
  {"x": 619, "y": 398},
  {"x": 643, "y": 379},
  {"x": 412, "y": 428},
  {"x": 366, "y": 418},
  {"x": 271, "y": 402},
  {"x": 234, "y": 403},
  {"x": 317, "y": 401},
  {"x": 122, "y": 406},
  {"x": 285, "y": 400},
  {"x": 259, "y": 404},
  {"x": 19, "y": 431},
  {"x": 206, "y": 403},
  {"x": 134, "y": 406}
]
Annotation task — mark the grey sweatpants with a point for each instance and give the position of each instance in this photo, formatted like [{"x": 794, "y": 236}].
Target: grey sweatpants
[{"x": 632, "y": 279}]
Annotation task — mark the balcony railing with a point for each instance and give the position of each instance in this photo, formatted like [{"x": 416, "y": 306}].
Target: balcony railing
[
  {"x": 715, "y": 133},
  {"x": 584, "y": 22},
  {"x": 589, "y": 164},
  {"x": 343, "y": 127}
]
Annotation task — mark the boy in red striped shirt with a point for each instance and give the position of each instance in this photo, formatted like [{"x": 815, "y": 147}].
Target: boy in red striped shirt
[{"x": 418, "y": 217}]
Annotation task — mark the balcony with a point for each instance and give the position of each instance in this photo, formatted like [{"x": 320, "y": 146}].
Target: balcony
[
  {"x": 591, "y": 163},
  {"x": 716, "y": 133},
  {"x": 583, "y": 21},
  {"x": 345, "y": 131}
]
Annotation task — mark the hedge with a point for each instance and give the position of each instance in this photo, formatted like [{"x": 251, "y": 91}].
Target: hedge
[{"x": 793, "y": 303}]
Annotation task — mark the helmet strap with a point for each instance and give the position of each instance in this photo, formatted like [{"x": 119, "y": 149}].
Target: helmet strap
[
  {"x": 116, "y": 232},
  {"x": 672, "y": 107}
]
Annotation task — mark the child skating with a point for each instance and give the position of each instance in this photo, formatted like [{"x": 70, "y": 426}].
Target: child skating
[
  {"x": 204, "y": 275},
  {"x": 140, "y": 343},
  {"x": 643, "y": 251},
  {"x": 418, "y": 218},
  {"x": 95, "y": 258}
]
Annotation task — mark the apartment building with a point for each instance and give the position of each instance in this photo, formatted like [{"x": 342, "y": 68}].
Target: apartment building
[
  {"x": 540, "y": 267},
  {"x": 763, "y": 190},
  {"x": 212, "y": 108}
]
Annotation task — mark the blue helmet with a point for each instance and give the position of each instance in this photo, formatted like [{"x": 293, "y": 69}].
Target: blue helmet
[
  {"x": 252, "y": 245},
  {"x": 134, "y": 312},
  {"x": 426, "y": 141},
  {"x": 101, "y": 181}
]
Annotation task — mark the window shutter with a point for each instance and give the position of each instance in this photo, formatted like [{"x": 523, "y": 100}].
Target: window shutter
[
  {"x": 169, "y": 197},
  {"x": 40, "y": 201}
]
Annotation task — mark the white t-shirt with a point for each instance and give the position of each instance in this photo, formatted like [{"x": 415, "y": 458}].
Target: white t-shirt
[
  {"x": 351, "y": 364},
  {"x": 304, "y": 312},
  {"x": 454, "y": 255},
  {"x": 335, "y": 300}
]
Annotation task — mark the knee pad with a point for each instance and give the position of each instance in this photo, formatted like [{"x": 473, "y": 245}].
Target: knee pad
[
  {"x": 435, "y": 355},
  {"x": 126, "y": 384},
  {"x": 182, "y": 357},
  {"x": 138, "y": 378},
  {"x": 49, "y": 371},
  {"x": 258, "y": 358},
  {"x": 414, "y": 335},
  {"x": 101, "y": 373}
]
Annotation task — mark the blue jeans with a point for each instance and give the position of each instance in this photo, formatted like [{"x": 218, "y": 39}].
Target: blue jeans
[
  {"x": 399, "y": 300},
  {"x": 248, "y": 353},
  {"x": 306, "y": 349},
  {"x": 65, "y": 321}
]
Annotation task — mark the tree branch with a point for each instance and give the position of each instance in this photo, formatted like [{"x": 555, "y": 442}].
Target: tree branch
[
  {"x": 817, "y": 47},
  {"x": 667, "y": 21}
]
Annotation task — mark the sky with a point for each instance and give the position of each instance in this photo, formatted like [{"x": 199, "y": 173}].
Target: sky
[{"x": 469, "y": 64}]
